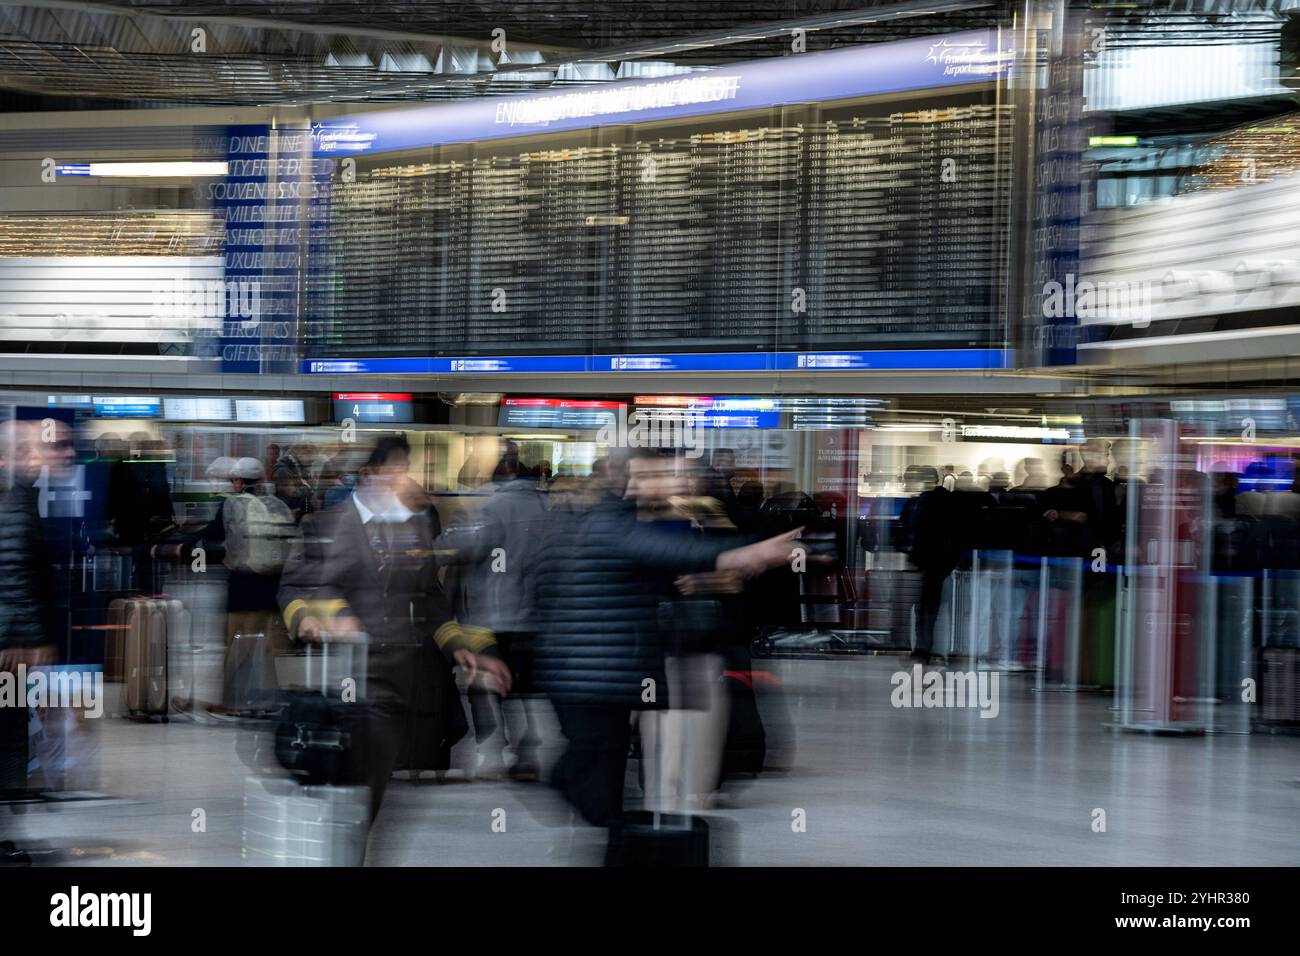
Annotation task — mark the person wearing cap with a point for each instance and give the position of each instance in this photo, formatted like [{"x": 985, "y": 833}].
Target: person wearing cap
[
  {"x": 254, "y": 630},
  {"x": 219, "y": 470},
  {"x": 259, "y": 528}
]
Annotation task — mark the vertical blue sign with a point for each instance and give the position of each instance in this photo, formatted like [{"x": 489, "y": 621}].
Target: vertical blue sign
[{"x": 264, "y": 203}]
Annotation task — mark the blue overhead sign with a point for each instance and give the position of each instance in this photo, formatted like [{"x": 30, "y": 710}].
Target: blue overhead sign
[
  {"x": 127, "y": 406},
  {"x": 878, "y": 360},
  {"x": 868, "y": 70}
]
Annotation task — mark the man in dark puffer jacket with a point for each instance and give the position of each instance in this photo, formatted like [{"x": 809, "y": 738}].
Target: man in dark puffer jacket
[
  {"x": 26, "y": 587},
  {"x": 599, "y": 653}
]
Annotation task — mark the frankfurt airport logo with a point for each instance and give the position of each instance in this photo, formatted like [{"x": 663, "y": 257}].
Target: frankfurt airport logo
[
  {"x": 962, "y": 57},
  {"x": 342, "y": 137}
]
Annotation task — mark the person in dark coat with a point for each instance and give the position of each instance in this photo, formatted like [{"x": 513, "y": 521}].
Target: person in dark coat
[
  {"x": 936, "y": 549},
  {"x": 718, "y": 479},
  {"x": 140, "y": 505},
  {"x": 364, "y": 571},
  {"x": 26, "y": 590},
  {"x": 600, "y": 654},
  {"x": 1105, "y": 525}
]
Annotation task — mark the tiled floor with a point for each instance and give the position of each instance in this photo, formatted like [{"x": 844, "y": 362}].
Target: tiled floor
[{"x": 877, "y": 785}]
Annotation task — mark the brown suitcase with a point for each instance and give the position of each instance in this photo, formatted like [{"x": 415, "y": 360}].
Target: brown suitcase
[
  {"x": 145, "y": 657},
  {"x": 115, "y": 640}
]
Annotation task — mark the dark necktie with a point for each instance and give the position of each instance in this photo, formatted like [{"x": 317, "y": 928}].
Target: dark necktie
[{"x": 380, "y": 541}]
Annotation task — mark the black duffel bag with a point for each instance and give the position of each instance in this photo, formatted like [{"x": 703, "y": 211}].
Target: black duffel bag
[{"x": 318, "y": 737}]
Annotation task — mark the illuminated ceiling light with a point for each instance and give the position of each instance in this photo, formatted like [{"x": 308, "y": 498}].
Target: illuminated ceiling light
[
  {"x": 1015, "y": 432},
  {"x": 144, "y": 170},
  {"x": 405, "y": 63},
  {"x": 354, "y": 61}
]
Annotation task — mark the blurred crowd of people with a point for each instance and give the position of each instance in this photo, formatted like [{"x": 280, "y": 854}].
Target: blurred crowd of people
[
  {"x": 609, "y": 596},
  {"x": 625, "y": 600}
]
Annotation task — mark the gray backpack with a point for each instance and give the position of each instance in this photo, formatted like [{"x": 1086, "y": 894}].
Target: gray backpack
[{"x": 259, "y": 533}]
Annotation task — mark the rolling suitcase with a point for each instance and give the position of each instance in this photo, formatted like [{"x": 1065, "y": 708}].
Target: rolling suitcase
[
  {"x": 644, "y": 838},
  {"x": 145, "y": 661},
  {"x": 150, "y": 623},
  {"x": 953, "y": 635},
  {"x": 746, "y": 744},
  {"x": 288, "y": 823},
  {"x": 655, "y": 838},
  {"x": 249, "y": 682},
  {"x": 115, "y": 642},
  {"x": 1279, "y": 685}
]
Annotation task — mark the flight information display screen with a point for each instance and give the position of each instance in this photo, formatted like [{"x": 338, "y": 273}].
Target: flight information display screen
[
  {"x": 373, "y": 407},
  {"x": 829, "y": 238},
  {"x": 568, "y": 413}
]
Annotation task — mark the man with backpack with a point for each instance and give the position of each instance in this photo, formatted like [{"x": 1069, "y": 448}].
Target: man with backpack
[{"x": 259, "y": 534}]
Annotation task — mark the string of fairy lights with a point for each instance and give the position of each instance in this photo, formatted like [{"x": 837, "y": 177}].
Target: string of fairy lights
[{"x": 133, "y": 233}]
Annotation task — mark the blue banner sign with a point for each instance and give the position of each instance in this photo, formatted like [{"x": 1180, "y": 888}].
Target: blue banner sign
[
  {"x": 868, "y": 70},
  {"x": 878, "y": 360}
]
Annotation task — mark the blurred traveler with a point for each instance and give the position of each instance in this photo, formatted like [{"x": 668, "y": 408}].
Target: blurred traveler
[
  {"x": 26, "y": 591},
  {"x": 62, "y": 506},
  {"x": 1061, "y": 524},
  {"x": 500, "y": 557},
  {"x": 1101, "y": 502},
  {"x": 935, "y": 541},
  {"x": 218, "y": 473},
  {"x": 718, "y": 479},
  {"x": 212, "y": 537},
  {"x": 599, "y": 651},
  {"x": 292, "y": 476},
  {"x": 1033, "y": 475},
  {"x": 259, "y": 534},
  {"x": 972, "y": 513},
  {"x": 65, "y": 745},
  {"x": 140, "y": 505},
  {"x": 339, "y": 477},
  {"x": 682, "y": 746},
  {"x": 363, "y": 575}
]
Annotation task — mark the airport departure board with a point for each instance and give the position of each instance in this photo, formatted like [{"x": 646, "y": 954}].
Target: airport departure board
[{"x": 877, "y": 231}]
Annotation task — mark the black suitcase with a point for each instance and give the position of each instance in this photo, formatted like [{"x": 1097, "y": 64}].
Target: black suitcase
[
  {"x": 647, "y": 839},
  {"x": 746, "y": 745},
  {"x": 641, "y": 838}
]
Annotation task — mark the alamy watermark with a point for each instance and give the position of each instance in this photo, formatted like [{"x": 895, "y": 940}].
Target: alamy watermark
[
  {"x": 53, "y": 687},
  {"x": 657, "y": 428},
  {"x": 921, "y": 688},
  {"x": 206, "y": 302},
  {"x": 1102, "y": 299},
  {"x": 73, "y": 909}
]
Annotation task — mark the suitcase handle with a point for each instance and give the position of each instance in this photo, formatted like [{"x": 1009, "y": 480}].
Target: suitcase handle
[{"x": 324, "y": 658}]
